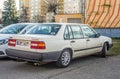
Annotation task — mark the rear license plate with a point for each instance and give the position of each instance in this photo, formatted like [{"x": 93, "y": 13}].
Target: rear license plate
[{"x": 23, "y": 43}]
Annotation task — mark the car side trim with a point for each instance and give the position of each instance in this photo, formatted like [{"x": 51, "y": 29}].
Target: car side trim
[{"x": 87, "y": 48}]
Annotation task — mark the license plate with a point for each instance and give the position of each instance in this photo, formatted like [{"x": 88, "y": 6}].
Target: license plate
[{"x": 23, "y": 43}]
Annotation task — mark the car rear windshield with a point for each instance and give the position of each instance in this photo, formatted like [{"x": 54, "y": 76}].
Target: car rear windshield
[
  {"x": 12, "y": 29},
  {"x": 45, "y": 29}
]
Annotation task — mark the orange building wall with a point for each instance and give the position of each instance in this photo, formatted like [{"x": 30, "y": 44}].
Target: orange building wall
[
  {"x": 103, "y": 13},
  {"x": 64, "y": 17}
]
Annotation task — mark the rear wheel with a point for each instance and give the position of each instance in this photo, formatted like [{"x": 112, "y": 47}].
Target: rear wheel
[
  {"x": 104, "y": 50},
  {"x": 65, "y": 59}
]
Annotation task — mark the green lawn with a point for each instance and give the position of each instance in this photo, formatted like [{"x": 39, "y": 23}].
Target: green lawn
[
  {"x": 115, "y": 50},
  {"x": 116, "y": 39}
]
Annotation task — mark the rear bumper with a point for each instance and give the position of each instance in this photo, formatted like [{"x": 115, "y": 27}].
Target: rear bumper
[{"x": 33, "y": 56}]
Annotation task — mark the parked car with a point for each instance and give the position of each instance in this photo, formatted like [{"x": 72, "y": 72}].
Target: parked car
[
  {"x": 9, "y": 31},
  {"x": 59, "y": 42}
]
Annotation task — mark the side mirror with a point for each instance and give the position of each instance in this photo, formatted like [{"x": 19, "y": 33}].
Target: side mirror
[{"x": 98, "y": 35}]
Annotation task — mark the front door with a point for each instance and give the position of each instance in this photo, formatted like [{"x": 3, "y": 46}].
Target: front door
[{"x": 93, "y": 43}]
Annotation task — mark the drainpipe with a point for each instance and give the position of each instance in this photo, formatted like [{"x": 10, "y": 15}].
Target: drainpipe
[{"x": 84, "y": 11}]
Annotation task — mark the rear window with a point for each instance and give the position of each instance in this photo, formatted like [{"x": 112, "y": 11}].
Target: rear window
[
  {"x": 45, "y": 29},
  {"x": 12, "y": 29}
]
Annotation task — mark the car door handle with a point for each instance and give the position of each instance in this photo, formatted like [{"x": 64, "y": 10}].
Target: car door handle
[{"x": 72, "y": 41}]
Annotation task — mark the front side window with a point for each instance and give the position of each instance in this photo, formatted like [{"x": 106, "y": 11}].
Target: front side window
[
  {"x": 88, "y": 32},
  {"x": 45, "y": 29},
  {"x": 12, "y": 29}
]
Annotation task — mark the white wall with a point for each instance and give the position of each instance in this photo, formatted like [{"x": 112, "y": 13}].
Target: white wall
[{"x": 72, "y": 6}]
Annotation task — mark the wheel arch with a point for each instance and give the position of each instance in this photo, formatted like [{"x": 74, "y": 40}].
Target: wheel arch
[{"x": 68, "y": 48}]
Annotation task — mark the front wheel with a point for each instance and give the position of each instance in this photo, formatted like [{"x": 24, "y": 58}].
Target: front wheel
[
  {"x": 104, "y": 50},
  {"x": 64, "y": 59}
]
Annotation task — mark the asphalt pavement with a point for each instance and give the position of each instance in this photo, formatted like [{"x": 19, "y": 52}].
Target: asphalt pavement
[{"x": 90, "y": 67}]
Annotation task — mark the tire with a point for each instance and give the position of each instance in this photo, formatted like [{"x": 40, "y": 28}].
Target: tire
[
  {"x": 64, "y": 59},
  {"x": 104, "y": 50}
]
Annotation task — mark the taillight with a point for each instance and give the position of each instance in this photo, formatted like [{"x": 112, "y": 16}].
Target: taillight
[
  {"x": 12, "y": 42},
  {"x": 38, "y": 45}
]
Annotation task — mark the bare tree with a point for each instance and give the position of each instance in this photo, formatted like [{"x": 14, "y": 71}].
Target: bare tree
[
  {"x": 52, "y": 6},
  {"x": 23, "y": 14},
  {"x": 36, "y": 19}
]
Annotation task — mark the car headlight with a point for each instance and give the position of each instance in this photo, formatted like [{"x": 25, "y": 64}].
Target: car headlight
[{"x": 3, "y": 41}]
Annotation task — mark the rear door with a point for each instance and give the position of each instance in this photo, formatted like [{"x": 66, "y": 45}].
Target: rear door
[{"x": 77, "y": 40}]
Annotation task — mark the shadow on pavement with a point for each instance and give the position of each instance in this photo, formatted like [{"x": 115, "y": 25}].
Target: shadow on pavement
[{"x": 5, "y": 59}]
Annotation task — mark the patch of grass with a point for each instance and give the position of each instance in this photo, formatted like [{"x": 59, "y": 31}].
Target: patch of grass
[
  {"x": 115, "y": 50},
  {"x": 116, "y": 39}
]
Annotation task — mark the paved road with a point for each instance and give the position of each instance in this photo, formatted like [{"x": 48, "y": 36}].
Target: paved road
[{"x": 90, "y": 67}]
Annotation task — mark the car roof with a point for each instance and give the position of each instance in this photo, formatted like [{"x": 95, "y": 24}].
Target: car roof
[
  {"x": 66, "y": 23},
  {"x": 27, "y": 23},
  {"x": 55, "y": 23}
]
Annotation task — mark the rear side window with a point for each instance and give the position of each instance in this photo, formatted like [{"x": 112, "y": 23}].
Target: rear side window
[
  {"x": 77, "y": 32},
  {"x": 66, "y": 34},
  {"x": 45, "y": 29},
  {"x": 70, "y": 32},
  {"x": 73, "y": 32}
]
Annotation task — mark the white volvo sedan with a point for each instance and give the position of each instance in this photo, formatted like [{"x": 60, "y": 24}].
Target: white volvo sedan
[{"x": 59, "y": 42}]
